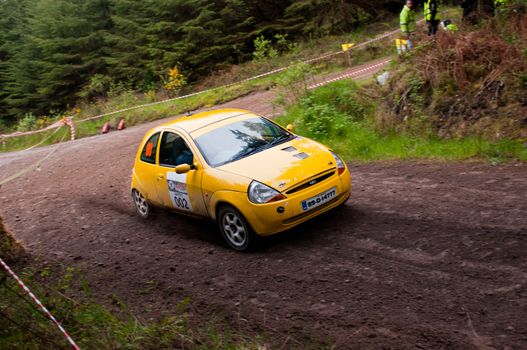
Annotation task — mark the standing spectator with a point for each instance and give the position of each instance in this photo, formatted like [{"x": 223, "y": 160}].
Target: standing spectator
[
  {"x": 407, "y": 21},
  {"x": 431, "y": 16}
]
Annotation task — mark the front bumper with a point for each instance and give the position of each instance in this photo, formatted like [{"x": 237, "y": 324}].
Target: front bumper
[{"x": 265, "y": 219}]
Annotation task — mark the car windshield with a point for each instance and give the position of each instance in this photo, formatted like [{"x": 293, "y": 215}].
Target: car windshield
[{"x": 239, "y": 140}]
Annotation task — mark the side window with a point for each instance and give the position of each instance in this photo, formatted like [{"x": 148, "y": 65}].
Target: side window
[
  {"x": 150, "y": 150},
  {"x": 174, "y": 151}
]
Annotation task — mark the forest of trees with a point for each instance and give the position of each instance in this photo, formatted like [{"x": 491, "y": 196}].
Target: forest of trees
[{"x": 54, "y": 53}]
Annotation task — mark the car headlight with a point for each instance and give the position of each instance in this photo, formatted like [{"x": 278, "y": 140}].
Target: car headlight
[
  {"x": 259, "y": 193},
  {"x": 341, "y": 166}
]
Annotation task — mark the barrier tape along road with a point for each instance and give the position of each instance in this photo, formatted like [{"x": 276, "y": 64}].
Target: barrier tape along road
[
  {"x": 35, "y": 165},
  {"x": 351, "y": 74},
  {"x": 41, "y": 141},
  {"x": 322, "y": 57},
  {"x": 39, "y": 304}
]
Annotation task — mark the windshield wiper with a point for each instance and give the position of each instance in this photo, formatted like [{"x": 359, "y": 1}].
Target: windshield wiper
[
  {"x": 245, "y": 154},
  {"x": 276, "y": 141},
  {"x": 279, "y": 139}
]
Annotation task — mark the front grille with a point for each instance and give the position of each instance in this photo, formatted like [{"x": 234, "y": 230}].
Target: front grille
[{"x": 311, "y": 183}]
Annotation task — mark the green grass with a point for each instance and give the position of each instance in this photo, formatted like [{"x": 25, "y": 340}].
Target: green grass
[
  {"x": 341, "y": 117},
  {"x": 94, "y": 326}
]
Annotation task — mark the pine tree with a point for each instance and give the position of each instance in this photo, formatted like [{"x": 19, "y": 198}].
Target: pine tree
[
  {"x": 152, "y": 36},
  {"x": 239, "y": 27},
  {"x": 128, "y": 54},
  {"x": 70, "y": 37},
  {"x": 323, "y": 17},
  {"x": 60, "y": 47},
  {"x": 13, "y": 21},
  {"x": 19, "y": 87},
  {"x": 200, "y": 45}
]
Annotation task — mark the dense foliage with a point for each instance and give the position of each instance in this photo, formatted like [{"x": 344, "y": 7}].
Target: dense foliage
[{"x": 54, "y": 52}]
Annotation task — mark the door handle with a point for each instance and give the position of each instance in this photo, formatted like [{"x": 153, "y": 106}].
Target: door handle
[{"x": 160, "y": 177}]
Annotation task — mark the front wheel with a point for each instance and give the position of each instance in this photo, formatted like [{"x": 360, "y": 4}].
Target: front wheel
[
  {"x": 141, "y": 204},
  {"x": 235, "y": 229}
]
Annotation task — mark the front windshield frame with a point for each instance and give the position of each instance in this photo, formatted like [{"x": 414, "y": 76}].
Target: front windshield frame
[{"x": 211, "y": 143}]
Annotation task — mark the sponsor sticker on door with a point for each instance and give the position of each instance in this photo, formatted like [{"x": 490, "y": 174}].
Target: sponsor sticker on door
[{"x": 177, "y": 188}]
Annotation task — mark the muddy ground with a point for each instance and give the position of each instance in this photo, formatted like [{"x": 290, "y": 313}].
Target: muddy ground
[{"x": 424, "y": 255}]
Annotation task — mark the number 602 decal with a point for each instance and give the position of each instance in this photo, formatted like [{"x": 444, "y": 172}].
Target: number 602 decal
[{"x": 181, "y": 203}]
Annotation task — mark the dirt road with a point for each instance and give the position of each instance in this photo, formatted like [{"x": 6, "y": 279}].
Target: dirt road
[{"x": 423, "y": 256}]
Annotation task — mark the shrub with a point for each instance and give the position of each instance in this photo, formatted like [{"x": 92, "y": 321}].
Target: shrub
[
  {"x": 263, "y": 49},
  {"x": 28, "y": 122},
  {"x": 174, "y": 81},
  {"x": 97, "y": 87},
  {"x": 293, "y": 83}
]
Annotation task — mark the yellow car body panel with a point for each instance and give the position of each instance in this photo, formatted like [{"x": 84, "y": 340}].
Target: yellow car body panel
[
  {"x": 302, "y": 170},
  {"x": 282, "y": 169}
]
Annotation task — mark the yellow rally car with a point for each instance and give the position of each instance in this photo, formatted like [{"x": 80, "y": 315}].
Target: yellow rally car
[{"x": 250, "y": 175}]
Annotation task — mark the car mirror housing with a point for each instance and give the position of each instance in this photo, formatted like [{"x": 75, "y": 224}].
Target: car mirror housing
[
  {"x": 290, "y": 127},
  {"x": 183, "y": 168}
]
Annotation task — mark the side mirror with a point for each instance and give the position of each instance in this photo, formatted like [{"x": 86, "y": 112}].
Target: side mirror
[
  {"x": 290, "y": 127},
  {"x": 182, "y": 168},
  {"x": 185, "y": 168}
]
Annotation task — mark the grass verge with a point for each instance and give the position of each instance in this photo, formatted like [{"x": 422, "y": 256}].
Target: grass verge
[
  {"x": 94, "y": 326},
  {"x": 343, "y": 116}
]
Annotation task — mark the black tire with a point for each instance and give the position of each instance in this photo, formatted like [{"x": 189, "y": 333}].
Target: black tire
[
  {"x": 235, "y": 229},
  {"x": 141, "y": 204}
]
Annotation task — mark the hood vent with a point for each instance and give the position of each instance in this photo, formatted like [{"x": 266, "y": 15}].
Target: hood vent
[
  {"x": 289, "y": 149},
  {"x": 301, "y": 155}
]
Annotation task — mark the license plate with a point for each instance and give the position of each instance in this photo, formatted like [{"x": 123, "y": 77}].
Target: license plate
[{"x": 319, "y": 199}]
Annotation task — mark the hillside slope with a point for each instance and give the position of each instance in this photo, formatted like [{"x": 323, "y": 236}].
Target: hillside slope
[{"x": 473, "y": 82}]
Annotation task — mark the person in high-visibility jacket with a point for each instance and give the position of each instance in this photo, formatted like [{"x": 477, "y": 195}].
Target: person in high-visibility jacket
[
  {"x": 431, "y": 16},
  {"x": 407, "y": 21},
  {"x": 499, "y": 5}
]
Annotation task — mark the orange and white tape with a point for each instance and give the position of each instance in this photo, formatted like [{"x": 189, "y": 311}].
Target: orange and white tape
[
  {"x": 351, "y": 74},
  {"x": 39, "y": 304},
  {"x": 40, "y": 142}
]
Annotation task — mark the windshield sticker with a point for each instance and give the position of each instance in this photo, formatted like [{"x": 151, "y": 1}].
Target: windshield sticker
[{"x": 177, "y": 189}]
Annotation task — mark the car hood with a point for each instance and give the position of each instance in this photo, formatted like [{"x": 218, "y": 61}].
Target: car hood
[{"x": 284, "y": 165}]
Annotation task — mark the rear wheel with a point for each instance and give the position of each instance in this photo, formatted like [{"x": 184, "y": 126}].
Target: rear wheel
[
  {"x": 141, "y": 204},
  {"x": 235, "y": 229}
]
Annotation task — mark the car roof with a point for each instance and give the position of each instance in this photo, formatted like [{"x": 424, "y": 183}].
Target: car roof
[{"x": 199, "y": 120}]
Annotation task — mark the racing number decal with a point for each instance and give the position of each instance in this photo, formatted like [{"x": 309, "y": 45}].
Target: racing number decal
[{"x": 177, "y": 188}]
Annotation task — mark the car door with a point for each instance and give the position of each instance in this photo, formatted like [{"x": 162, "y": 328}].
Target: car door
[
  {"x": 179, "y": 191},
  {"x": 146, "y": 169}
]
